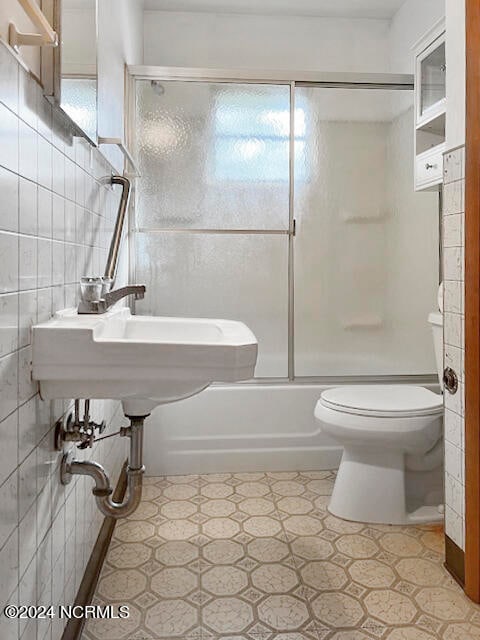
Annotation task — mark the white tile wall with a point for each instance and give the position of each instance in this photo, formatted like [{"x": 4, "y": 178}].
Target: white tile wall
[
  {"x": 55, "y": 221},
  {"x": 454, "y": 347}
]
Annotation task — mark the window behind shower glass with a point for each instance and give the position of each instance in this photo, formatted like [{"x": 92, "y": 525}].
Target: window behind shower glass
[{"x": 253, "y": 139}]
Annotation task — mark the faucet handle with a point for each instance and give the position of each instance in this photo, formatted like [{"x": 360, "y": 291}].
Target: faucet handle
[
  {"x": 91, "y": 288},
  {"x": 107, "y": 284}
]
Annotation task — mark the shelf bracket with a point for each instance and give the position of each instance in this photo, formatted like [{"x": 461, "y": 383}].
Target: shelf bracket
[
  {"x": 46, "y": 36},
  {"x": 121, "y": 145}
]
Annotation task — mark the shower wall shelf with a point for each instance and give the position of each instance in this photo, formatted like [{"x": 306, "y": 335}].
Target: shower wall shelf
[
  {"x": 372, "y": 321},
  {"x": 121, "y": 145},
  {"x": 359, "y": 218},
  {"x": 47, "y": 35}
]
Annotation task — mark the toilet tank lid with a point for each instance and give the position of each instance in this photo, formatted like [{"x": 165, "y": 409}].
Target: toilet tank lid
[{"x": 383, "y": 399}]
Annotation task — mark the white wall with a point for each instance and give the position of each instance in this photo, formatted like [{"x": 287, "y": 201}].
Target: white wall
[
  {"x": 265, "y": 42},
  {"x": 120, "y": 25},
  {"x": 79, "y": 35},
  {"x": 412, "y": 20},
  {"x": 286, "y": 42},
  {"x": 455, "y": 49}
]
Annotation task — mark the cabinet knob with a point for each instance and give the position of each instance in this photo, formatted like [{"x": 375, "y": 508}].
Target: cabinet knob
[{"x": 430, "y": 166}]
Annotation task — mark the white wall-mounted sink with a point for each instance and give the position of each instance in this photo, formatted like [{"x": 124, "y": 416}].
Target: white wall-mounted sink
[{"x": 142, "y": 360}]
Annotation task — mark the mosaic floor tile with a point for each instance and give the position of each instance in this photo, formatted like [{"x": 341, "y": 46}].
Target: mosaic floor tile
[{"x": 254, "y": 556}]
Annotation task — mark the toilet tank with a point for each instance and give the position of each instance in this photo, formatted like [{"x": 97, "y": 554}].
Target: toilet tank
[{"x": 436, "y": 321}]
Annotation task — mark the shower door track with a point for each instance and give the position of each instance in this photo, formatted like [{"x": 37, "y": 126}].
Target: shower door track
[
  {"x": 243, "y": 232},
  {"x": 334, "y": 79},
  {"x": 418, "y": 380},
  {"x": 292, "y": 79}
]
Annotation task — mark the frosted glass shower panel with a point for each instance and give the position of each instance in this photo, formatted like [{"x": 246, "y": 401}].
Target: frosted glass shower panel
[
  {"x": 212, "y": 155},
  {"x": 233, "y": 276},
  {"x": 366, "y": 249}
]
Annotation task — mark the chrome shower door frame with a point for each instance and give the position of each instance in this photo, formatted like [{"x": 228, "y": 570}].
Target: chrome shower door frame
[{"x": 292, "y": 79}]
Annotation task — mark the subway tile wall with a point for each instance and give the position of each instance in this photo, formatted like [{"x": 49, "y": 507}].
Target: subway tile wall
[
  {"x": 56, "y": 217},
  {"x": 454, "y": 347}
]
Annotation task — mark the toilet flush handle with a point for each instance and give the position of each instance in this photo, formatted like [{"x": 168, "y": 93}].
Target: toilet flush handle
[{"x": 450, "y": 380}]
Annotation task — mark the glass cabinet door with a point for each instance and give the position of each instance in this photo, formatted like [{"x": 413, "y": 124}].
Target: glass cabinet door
[{"x": 432, "y": 76}]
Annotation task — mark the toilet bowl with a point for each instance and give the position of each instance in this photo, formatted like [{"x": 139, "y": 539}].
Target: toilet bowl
[{"x": 391, "y": 468}]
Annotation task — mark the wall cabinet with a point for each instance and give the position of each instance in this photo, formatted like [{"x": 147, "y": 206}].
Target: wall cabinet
[{"x": 430, "y": 107}]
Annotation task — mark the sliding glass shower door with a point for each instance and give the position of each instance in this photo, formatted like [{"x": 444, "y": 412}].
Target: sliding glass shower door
[
  {"x": 227, "y": 168},
  {"x": 212, "y": 212},
  {"x": 366, "y": 249}
]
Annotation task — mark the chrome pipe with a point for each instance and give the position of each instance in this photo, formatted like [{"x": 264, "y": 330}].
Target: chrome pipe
[
  {"x": 92, "y": 469},
  {"x": 129, "y": 504},
  {"x": 112, "y": 260},
  {"x": 102, "y": 489},
  {"x": 135, "y": 461}
]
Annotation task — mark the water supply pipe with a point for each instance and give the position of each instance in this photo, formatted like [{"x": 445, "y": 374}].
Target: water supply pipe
[{"x": 102, "y": 489}]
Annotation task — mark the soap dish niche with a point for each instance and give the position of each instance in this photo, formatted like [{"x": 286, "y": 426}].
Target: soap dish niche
[
  {"x": 357, "y": 217},
  {"x": 367, "y": 322}
]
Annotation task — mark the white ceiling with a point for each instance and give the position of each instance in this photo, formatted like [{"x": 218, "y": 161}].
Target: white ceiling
[{"x": 383, "y": 9}]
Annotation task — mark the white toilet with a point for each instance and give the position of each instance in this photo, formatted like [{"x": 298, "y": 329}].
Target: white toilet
[{"x": 391, "y": 469}]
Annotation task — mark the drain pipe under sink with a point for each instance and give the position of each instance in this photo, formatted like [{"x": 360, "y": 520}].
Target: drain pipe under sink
[{"x": 102, "y": 489}]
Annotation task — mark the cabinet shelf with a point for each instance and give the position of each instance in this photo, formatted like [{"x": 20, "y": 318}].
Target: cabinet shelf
[
  {"x": 430, "y": 134},
  {"x": 430, "y": 108},
  {"x": 436, "y": 110}
]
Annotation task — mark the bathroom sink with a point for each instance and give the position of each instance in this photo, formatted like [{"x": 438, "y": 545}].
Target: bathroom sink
[{"x": 142, "y": 360}]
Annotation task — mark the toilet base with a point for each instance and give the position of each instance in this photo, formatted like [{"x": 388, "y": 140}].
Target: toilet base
[{"x": 371, "y": 487}]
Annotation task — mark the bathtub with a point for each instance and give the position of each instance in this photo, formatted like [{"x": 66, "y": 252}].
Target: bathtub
[{"x": 241, "y": 427}]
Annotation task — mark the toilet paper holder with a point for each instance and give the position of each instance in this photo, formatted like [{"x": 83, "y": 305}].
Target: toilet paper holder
[{"x": 450, "y": 380}]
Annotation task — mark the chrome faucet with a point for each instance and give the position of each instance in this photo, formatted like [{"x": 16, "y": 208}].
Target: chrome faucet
[
  {"x": 97, "y": 299},
  {"x": 95, "y": 292}
]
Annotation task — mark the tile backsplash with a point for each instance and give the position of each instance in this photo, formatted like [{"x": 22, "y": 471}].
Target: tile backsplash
[
  {"x": 454, "y": 348},
  {"x": 56, "y": 215}
]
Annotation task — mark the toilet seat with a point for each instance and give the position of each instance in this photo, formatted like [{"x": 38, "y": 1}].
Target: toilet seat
[{"x": 383, "y": 401}]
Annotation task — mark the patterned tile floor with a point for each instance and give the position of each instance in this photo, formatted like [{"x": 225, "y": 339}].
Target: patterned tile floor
[{"x": 256, "y": 556}]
